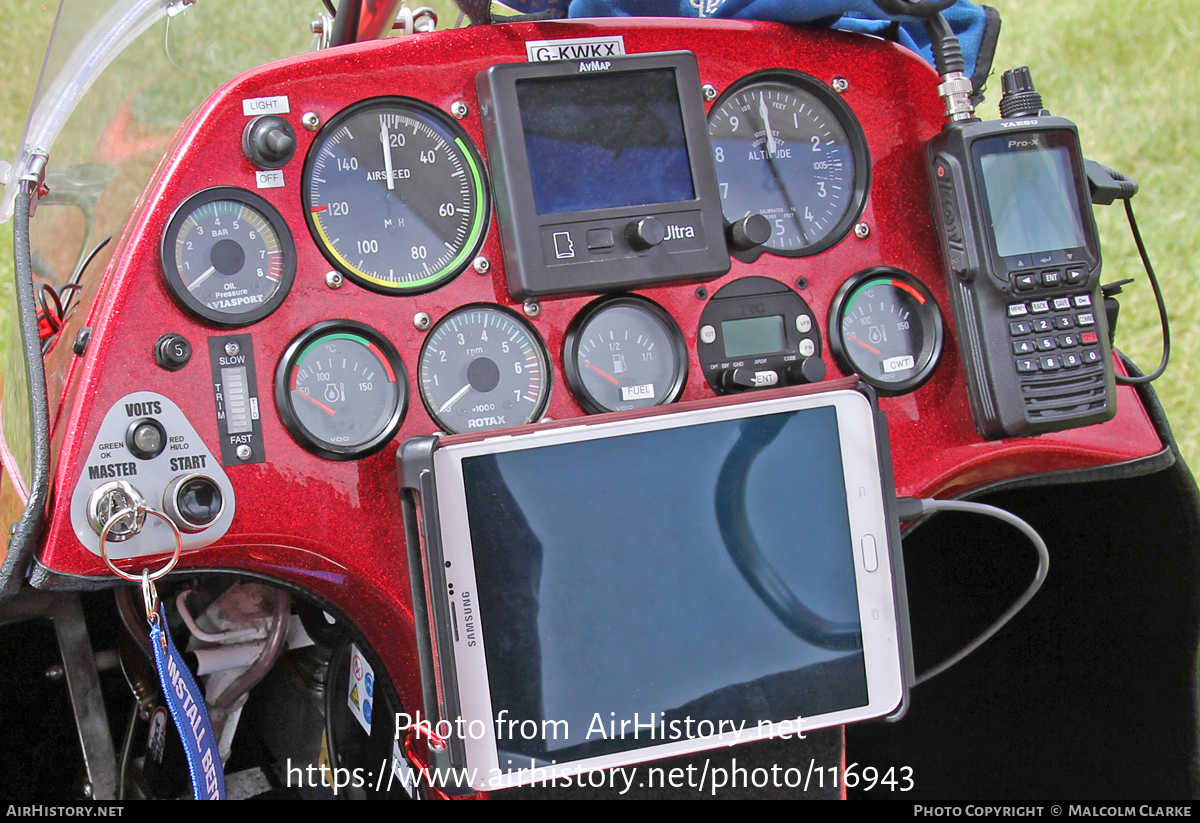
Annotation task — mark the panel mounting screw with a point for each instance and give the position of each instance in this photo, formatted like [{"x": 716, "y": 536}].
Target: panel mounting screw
[
  {"x": 334, "y": 279},
  {"x": 232, "y": 349},
  {"x": 840, "y": 84},
  {"x": 710, "y": 92},
  {"x": 459, "y": 109},
  {"x": 802, "y": 283},
  {"x": 532, "y": 309},
  {"x": 244, "y": 452},
  {"x": 421, "y": 321},
  {"x": 311, "y": 120},
  {"x": 482, "y": 265},
  {"x": 701, "y": 293},
  {"x": 861, "y": 230}
]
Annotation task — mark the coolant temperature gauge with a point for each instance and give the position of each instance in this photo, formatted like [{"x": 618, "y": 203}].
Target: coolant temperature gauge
[
  {"x": 885, "y": 326},
  {"x": 341, "y": 390}
]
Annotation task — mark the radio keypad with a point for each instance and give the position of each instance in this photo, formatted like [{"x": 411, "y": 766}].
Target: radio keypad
[{"x": 1033, "y": 336}]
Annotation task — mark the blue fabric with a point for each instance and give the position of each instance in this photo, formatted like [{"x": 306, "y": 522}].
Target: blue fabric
[
  {"x": 186, "y": 703},
  {"x": 966, "y": 18}
]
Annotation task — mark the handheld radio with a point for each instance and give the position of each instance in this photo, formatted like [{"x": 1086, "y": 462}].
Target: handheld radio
[{"x": 1022, "y": 260}]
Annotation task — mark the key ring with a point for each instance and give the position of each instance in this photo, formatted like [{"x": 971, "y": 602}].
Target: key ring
[{"x": 136, "y": 578}]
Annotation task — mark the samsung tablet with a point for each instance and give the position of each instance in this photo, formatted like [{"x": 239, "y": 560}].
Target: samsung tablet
[{"x": 633, "y": 586}]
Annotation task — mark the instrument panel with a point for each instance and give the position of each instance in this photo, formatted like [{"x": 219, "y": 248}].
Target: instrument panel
[{"x": 375, "y": 295}]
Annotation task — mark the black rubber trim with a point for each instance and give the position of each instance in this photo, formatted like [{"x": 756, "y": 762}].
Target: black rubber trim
[{"x": 28, "y": 528}]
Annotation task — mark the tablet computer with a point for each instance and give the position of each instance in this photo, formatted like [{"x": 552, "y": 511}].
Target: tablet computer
[{"x": 638, "y": 585}]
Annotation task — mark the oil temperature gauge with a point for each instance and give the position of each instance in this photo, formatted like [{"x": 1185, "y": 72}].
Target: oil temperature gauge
[
  {"x": 341, "y": 390},
  {"x": 483, "y": 368},
  {"x": 885, "y": 326},
  {"x": 624, "y": 353}
]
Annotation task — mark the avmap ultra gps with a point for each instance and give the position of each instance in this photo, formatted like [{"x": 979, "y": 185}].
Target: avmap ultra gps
[{"x": 603, "y": 174}]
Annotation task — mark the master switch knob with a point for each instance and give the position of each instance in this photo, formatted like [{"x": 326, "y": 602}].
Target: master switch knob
[
  {"x": 269, "y": 141},
  {"x": 645, "y": 233}
]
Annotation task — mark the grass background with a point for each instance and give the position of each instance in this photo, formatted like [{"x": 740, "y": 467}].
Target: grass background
[{"x": 1124, "y": 71}]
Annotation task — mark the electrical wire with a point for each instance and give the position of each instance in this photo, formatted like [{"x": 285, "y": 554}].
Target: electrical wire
[
  {"x": 1158, "y": 298},
  {"x": 930, "y": 506}
]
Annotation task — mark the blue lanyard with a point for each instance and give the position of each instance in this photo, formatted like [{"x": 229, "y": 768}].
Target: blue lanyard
[{"x": 186, "y": 704}]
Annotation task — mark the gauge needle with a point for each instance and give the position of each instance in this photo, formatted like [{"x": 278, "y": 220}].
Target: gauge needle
[
  {"x": 196, "y": 283},
  {"x": 317, "y": 403},
  {"x": 603, "y": 374},
  {"x": 385, "y": 138},
  {"x": 763, "y": 113},
  {"x": 457, "y": 396},
  {"x": 866, "y": 346}
]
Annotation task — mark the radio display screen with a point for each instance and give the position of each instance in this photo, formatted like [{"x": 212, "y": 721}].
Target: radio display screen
[
  {"x": 604, "y": 141},
  {"x": 1032, "y": 197}
]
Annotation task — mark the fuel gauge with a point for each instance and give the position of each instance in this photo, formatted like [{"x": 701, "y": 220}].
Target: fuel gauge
[
  {"x": 624, "y": 353},
  {"x": 885, "y": 326}
]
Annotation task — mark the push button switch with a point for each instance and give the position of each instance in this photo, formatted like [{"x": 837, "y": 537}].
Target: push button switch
[{"x": 870, "y": 553}]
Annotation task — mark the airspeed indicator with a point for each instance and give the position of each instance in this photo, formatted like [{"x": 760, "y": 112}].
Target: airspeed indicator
[{"x": 394, "y": 195}]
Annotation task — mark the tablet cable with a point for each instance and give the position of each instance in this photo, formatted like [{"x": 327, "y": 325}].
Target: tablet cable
[{"x": 911, "y": 508}]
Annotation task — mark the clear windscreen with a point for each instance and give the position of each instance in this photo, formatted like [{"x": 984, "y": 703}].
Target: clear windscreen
[{"x": 123, "y": 122}]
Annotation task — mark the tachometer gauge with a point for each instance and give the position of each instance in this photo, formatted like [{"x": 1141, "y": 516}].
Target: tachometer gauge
[
  {"x": 885, "y": 326},
  {"x": 789, "y": 148},
  {"x": 394, "y": 195},
  {"x": 483, "y": 368},
  {"x": 624, "y": 353},
  {"x": 228, "y": 256},
  {"x": 341, "y": 389}
]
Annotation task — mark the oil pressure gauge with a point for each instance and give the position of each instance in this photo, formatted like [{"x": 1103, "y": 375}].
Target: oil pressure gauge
[
  {"x": 228, "y": 256},
  {"x": 624, "y": 353},
  {"x": 885, "y": 326}
]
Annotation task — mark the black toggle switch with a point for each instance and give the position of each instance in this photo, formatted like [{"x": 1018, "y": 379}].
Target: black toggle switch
[
  {"x": 645, "y": 233},
  {"x": 269, "y": 141},
  {"x": 752, "y": 230}
]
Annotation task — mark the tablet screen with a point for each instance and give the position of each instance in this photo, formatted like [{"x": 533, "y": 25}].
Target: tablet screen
[{"x": 665, "y": 578}]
